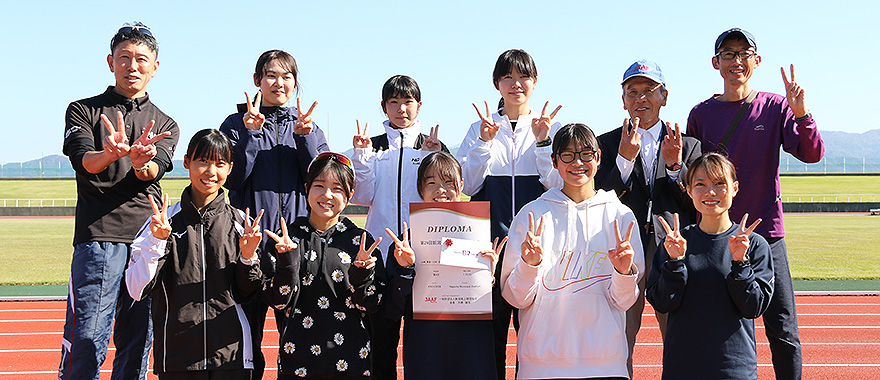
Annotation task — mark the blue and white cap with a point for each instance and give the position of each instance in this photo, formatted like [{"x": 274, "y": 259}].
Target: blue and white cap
[{"x": 644, "y": 68}]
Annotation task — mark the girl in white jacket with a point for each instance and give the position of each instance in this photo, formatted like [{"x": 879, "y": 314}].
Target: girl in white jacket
[{"x": 576, "y": 275}]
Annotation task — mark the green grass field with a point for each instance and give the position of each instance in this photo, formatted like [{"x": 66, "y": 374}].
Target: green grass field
[{"x": 820, "y": 246}]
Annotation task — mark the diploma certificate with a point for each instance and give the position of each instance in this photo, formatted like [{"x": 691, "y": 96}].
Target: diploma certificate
[{"x": 463, "y": 290}]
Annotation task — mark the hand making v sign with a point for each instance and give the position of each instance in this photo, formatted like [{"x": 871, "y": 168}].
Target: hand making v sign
[
  {"x": 253, "y": 119},
  {"x": 361, "y": 140},
  {"x": 675, "y": 244},
  {"x": 489, "y": 128},
  {"x": 795, "y": 94},
  {"x": 630, "y": 140},
  {"x": 739, "y": 243},
  {"x": 159, "y": 225},
  {"x": 532, "y": 252},
  {"x": 304, "y": 124},
  {"x": 541, "y": 125},
  {"x": 251, "y": 238},
  {"x": 622, "y": 255},
  {"x": 432, "y": 143},
  {"x": 403, "y": 252}
]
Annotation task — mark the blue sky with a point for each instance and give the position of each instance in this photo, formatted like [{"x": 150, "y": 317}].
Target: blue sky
[{"x": 55, "y": 53}]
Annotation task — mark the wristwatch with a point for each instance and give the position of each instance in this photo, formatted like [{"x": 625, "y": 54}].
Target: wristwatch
[
  {"x": 675, "y": 166},
  {"x": 142, "y": 169},
  {"x": 740, "y": 263}
]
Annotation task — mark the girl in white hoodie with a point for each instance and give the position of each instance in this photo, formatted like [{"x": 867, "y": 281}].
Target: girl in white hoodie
[{"x": 577, "y": 274}]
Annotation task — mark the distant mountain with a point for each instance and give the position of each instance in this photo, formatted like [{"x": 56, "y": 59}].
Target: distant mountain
[{"x": 840, "y": 148}]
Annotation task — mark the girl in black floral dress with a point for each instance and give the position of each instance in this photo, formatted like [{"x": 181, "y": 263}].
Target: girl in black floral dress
[{"x": 324, "y": 281}]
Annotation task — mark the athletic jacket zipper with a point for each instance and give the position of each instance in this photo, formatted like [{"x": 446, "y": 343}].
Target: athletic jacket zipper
[
  {"x": 399, "y": 195},
  {"x": 204, "y": 295}
]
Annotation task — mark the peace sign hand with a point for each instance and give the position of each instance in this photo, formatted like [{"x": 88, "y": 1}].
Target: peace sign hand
[
  {"x": 622, "y": 255},
  {"x": 116, "y": 142},
  {"x": 159, "y": 225},
  {"x": 739, "y": 243},
  {"x": 432, "y": 143},
  {"x": 403, "y": 252},
  {"x": 251, "y": 238},
  {"x": 283, "y": 243},
  {"x": 532, "y": 252},
  {"x": 675, "y": 244},
  {"x": 489, "y": 128},
  {"x": 361, "y": 139},
  {"x": 630, "y": 140},
  {"x": 671, "y": 146},
  {"x": 365, "y": 258},
  {"x": 144, "y": 149},
  {"x": 253, "y": 119},
  {"x": 794, "y": 93},
  {"x": 541, "y": 125},
  {"x": 493, "y": 253},
  {"x": 303, "y": 124}
]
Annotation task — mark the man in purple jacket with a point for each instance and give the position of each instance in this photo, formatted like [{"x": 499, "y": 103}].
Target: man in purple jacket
[{"x": 769, "y": 121}]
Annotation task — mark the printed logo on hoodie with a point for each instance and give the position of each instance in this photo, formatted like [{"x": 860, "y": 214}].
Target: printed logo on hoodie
[{"x": 576, "y": 271}]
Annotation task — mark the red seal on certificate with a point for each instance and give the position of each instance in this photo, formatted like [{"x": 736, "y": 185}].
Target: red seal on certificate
[{"x": 448, "y": 242}]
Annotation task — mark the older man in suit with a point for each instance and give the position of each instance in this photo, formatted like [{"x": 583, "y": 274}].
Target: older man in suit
[{"x": 645, "y": 162}]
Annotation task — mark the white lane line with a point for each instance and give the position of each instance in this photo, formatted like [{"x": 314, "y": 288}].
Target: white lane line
[{"x": 30, "y": 320}]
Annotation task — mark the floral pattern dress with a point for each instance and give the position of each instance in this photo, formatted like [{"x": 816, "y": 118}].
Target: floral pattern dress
[{"x": 325, "y": 299}]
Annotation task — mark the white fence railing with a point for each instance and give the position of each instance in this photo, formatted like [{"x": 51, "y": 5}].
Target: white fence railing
[
  {"x": 834, "y": 198},
  {"x": 38, "y": 202}
]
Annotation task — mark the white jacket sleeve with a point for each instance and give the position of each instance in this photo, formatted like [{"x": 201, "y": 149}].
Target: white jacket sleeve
[
  {"x": 519, "y": 280},
  {"x": 364, "y": 162},
  {"x": 473, "y": 155},
  {"x": 623, "y": 288},
  {"x": 547, "y": 174},
  {"x": 146, "y": 250}
]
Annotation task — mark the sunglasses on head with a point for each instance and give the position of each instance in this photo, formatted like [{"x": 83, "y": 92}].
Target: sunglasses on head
[
  {"x": 341, "y": 158},
  {"x": 127, "y": 28}
]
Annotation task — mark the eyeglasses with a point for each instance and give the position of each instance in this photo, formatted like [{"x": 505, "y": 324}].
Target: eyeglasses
[
  {"x": 141, "y": 28},
  {"x": 341, "y": 158},
  {"x": 584, "y": 155},
  {"x": 743, "y": 55}
]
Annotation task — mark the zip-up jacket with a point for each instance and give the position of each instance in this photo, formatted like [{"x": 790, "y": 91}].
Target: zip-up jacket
[
  {"x": 108, "y": 202},
  {"x": 503, "y": 171},
  {"x": 386, "y": 179},
  {"x": 573, "y": 304},
  {"x": 270, "y": 168},
  {"x": 197, "y": 282}
]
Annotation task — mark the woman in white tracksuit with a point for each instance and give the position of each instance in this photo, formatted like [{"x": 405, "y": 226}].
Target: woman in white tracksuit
[{"x": 577, "y": 273}]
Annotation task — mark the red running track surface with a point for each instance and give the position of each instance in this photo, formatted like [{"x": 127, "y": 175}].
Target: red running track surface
[{"x": 840, "y": 336}]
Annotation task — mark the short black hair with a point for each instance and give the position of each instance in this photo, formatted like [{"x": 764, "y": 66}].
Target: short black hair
[
  {"x": 283, "y": 58},
  {"x": 337, "y": 171},
  {"x": 210, "y": 144},
  {"x": 513, "y": 58},
  {"x": 447, "y": 167},
  {"x": 577, "y": 133},
  {"x": 400, "y": 86},
  {"x": 135, "y": 36}
]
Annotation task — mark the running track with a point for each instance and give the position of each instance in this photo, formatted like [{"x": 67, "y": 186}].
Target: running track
[{"x": 840, "y": 335}]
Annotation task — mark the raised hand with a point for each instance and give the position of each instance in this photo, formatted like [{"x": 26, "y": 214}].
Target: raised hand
[
  {"x": 630, "y": 140},
  {"x": 251, "y": 238},
  {"x": 532, "y": 252},
  {"x": 675, "y": 244},
  {"x": 739, "y": 243},
  {"x": 541, "y": 125},
  {"x": 671, "y": 146},
  {"x": 361, "y": 139},
  {"x": 303, "y": 124},
  {"x": 365, "y": 258},
  {"x": 794, "y": 93},
  {"x": 403, "y": 252},
  {"x": 144, "y": 149},
  {"x": 622, "y": 255},
  {"x": 493, "y": 253},
  {"x": 432, "y": 143},
  {"x": 116, "y": 143},
  {"x": 489, "y": 128},
  {"x": 253, "y": 119},
  {"x": 159, "y": 225},
  {"x": 283, "y": 243}
]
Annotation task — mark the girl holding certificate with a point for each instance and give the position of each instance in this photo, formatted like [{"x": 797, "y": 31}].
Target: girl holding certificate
[
  {"x": 440, "y": 349},
  {"x": 577, "y": 273}
]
